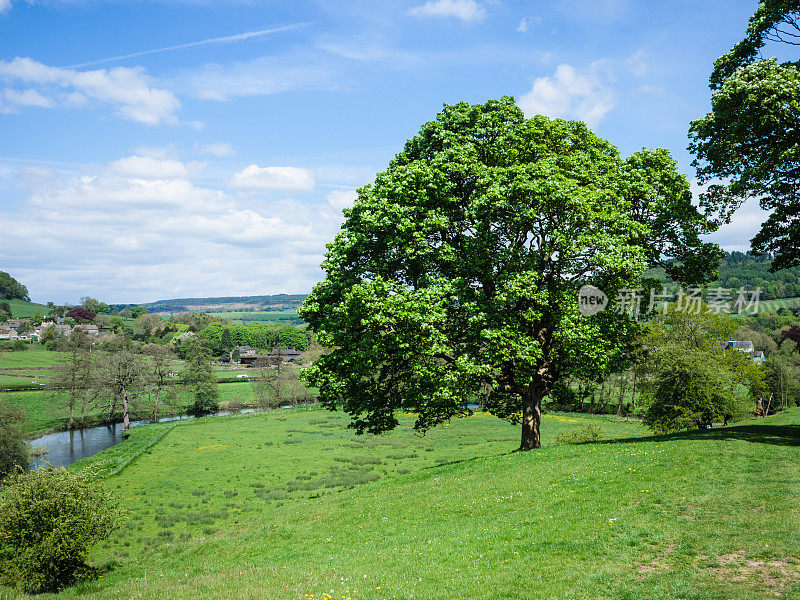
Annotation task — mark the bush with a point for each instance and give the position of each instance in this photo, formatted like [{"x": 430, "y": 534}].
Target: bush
[
  {"x": 14, "y": 450},
  {"x": 587, "y": 433},
  {"x": 50, "y": 518},
  {"x": 19, "y": 345},
  {"x": 690, "y": 390}
]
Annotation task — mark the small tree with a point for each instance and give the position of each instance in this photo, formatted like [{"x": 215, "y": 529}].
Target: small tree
[
  {"x": 50, "y": 518},
  {"x": 157, "y": 375},
  {"x": 691, "y": 389},
  {"x": 73, "y": 376},
  {"x": 81, "y": 315},
  {"x": 199, "y": 376},
  {"x": 121, "y": 379},
  {"x": 14, "y": 450}
]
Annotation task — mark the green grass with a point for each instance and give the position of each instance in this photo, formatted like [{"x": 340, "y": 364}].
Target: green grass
[
  {"x": 773, "y": 305},
  {"x": 20, "y": 308},
  {"x": 266, "y": 316},
  {"x": 292, "y": 505},
  {"x": 34, "y": 356}
]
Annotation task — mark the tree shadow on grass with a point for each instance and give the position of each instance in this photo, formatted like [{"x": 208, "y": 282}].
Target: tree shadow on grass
[{"x": 778, "y": 435}]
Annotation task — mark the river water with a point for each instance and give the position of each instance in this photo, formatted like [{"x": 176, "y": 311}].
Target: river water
[{"x": 67, "y": 447}]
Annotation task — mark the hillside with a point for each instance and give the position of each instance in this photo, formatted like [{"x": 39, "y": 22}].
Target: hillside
[
  {"x": 291, "y": 504},
  {"x": 228, "y": 303},
  {"x": 21, "y": 308},
  {"x": 742, "y": 269}
]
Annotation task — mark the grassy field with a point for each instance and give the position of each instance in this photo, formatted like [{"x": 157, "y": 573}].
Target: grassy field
[
  {"x": 290, "y": 504},
  {"x": 20, "y": 308},
  {"x": 266, "y": 316},
  {"x": 774, "y": 305}
]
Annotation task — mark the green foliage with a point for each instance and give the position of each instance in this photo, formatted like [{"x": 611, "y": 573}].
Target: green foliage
[
  {"x": 199, "y": 376},
  {"x": 747, "y": 146},
  {"x": 14, "y": 450},
  {"x": 456, "y": 274},
  {"x": 5, "y": 309},
  {"x": 587, "y": 433},
  {"x": 691, "y": 388},
  {"x": 11, "y": 288},
  {"x": 19, "y": 346},
  {"x": 221, "y": 337},
  {"x": 138, "y": 311},
  {"x": 700, "y": 329},
  {"x": 50, "y": 518}
]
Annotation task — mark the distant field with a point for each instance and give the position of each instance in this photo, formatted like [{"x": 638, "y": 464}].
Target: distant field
[
  {"x": 266, "y": 316},
  {"x": 26, "y": 309},
  {"x": 774, "y": 305}
]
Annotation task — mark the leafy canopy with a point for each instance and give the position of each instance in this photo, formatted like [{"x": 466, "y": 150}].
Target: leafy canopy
[
  {"x": 748, "y": 146},
  {"x": 456, "y": 273},
  {"x": 11, "y": 288}
]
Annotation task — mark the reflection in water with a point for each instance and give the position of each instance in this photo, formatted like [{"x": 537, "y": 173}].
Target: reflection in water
[{"x": 67, "y": 447}]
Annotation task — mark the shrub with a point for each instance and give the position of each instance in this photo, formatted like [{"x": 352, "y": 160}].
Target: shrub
[
  {"x": 50, "y": 518},
  {"x": 19, "y": 346},
  {"x": 690, "y": 390},
  {"x": 14, "y": 450},
  {"x": 587, "y": 433}
]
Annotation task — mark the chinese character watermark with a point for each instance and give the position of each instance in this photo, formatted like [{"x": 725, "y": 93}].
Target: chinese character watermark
[{"x": 692, "y": 300}]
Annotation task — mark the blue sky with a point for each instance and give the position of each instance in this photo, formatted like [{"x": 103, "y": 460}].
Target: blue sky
[{"x": 156, "y": 149}]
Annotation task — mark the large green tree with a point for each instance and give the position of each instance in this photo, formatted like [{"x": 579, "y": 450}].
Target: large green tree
[
  {"x": 748, "y": 146},
  {"x": 456, "y": 274}
]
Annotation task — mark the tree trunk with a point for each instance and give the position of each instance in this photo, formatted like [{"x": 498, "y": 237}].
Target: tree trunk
[
  {"x": 531, "y": 420},
  {"x": 155, "y": 407},
  {"x": 112, "y": 408},
  {"x": 126, "y": 420}
]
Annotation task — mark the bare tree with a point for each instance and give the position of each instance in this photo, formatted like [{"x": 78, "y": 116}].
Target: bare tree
[
  {"x": 120, "y": 379},
  {"x": 157, "y": 373},
  {"x": 73, "y": 376}
]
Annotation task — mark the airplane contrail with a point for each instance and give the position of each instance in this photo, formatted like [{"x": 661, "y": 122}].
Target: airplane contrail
[{"x": 228, "y": 39}]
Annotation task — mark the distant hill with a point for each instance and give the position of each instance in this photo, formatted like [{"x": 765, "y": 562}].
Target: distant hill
[
  {"x": 742, "y": 269},
  {"x": 276, "y": 302}
]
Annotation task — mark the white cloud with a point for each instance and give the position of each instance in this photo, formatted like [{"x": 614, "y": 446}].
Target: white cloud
[
  {"x": 12, "y": 100},
  {"x": 523, "y": 26},
  {"x": 128, "y": 90},
  {"x": 146, "y": 167},
  {"x": 137, "y": 229},
  {"x": 5, "y": 5},
  {"x": 219, "y": 149},
  {"x": 254, "y": 177},
  {"x": 571, "y": 94},
  {"x": 340, "y": 199},
  {"x": 465, "y": 10}
]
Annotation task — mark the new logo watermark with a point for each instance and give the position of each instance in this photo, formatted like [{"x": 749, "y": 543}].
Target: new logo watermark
[{"x": 591, "y": 300}]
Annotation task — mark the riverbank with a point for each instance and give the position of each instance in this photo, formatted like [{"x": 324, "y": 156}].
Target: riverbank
[{"x": 46, "y": 410}]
